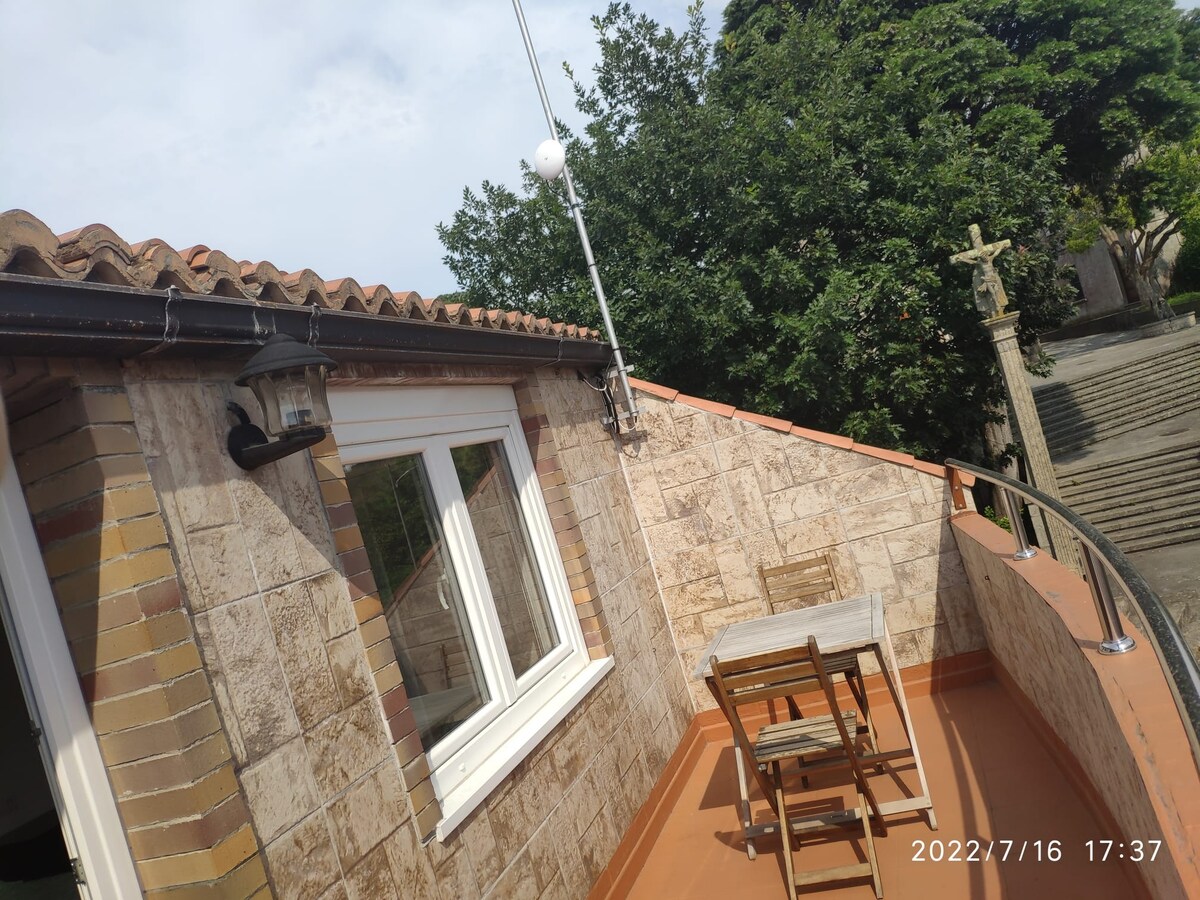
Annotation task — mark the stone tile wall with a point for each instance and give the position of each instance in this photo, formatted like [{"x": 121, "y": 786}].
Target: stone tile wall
[
  {"x": 286, "y": 622},
  {"x": 1114, "y": 714},
  {"x": 104, "y": 543},
  {"x": 720, "y": 494}
]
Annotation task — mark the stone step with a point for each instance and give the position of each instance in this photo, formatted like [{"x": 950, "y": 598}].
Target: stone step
[
  {"x": 1118, "y": 516},
  {"x": 1103, "y": 508},
  {"x": 1134, "y": 396},
  {"x": 1086, "y": 471},
  {"x": 1143, "y": 481},
  {"x": 1160, "y": 539},
  {"x": 1143, "y": 404},
  {"x": 1130, "y": 420},
  {"x": 1167, "y": 522},
  {"x": 1105, "y": 381}
]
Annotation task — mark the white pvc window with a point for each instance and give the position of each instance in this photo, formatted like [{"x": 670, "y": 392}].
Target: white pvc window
[{"x": 469, "y": 576}]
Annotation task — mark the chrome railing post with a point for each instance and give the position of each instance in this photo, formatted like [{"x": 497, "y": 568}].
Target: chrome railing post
[
  {"x": 1012, "y": 509},
  {"x": 1115, "y": 639}
]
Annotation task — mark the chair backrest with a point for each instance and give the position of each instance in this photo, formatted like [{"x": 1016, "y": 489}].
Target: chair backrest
[
  {"x": 792, "y": 583},
  {"x": 768, "y": 676}
]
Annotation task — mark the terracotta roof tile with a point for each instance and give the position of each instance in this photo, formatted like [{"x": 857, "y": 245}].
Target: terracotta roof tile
[
  {"x": 96, "y": 253},
  {"x": 833, "y": 440}
]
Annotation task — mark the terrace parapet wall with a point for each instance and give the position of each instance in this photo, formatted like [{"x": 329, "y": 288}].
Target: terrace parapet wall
[
  {"x": 284, "y": 611},
  {"x": 720, "y": 492},
  {"x": 1112, "y": 717}
]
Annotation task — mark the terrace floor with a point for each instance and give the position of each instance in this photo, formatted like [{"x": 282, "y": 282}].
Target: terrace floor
[{"x": 990, "y": 776}]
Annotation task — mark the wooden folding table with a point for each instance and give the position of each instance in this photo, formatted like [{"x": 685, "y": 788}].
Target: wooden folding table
[{"x": 856, "y": 625}]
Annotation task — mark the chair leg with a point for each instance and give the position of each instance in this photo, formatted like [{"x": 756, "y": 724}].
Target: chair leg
[
  {"x": 787, "y": 840},
  {"x": 870, "y": 841}
]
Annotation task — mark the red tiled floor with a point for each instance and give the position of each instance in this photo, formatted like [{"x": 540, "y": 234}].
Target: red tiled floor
[{"x": 990, "y": 778}]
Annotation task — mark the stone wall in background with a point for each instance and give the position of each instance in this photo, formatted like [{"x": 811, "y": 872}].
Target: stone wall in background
[{"x": 720, "y": 495}]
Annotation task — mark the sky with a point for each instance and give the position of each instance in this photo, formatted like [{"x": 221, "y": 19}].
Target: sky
[{"x": 332, "y": 136}]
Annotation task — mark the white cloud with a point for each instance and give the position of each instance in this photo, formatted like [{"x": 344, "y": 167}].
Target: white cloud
[{"x": 301, "y": 133}]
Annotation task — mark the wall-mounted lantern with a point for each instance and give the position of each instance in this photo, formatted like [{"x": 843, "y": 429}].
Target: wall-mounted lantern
[{"x": 288, "y": 378}]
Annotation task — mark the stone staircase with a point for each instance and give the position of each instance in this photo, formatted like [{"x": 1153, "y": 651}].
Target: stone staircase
[
  {"x": 1117, "y": 401},
  {"x": 1142, "y": 501},
  {"x": 1125, "y": 441}
]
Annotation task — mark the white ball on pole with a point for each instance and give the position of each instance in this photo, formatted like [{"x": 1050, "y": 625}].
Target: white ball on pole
[{"x": 549, "y": 159}]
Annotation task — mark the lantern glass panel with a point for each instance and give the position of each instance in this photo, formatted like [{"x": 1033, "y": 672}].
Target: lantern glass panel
[{"x": 292, "y": 399}]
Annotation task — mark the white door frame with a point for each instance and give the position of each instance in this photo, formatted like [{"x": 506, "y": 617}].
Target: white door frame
[{"x": 44, "y": 660}]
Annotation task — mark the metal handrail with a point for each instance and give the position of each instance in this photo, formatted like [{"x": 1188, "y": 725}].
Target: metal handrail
[{"x": 1177, "y": 662}]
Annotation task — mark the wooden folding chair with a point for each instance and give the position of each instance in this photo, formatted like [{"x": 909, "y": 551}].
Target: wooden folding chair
[
  {"x": 830, "y": 738},
  {"x": 802, "y": 583}
]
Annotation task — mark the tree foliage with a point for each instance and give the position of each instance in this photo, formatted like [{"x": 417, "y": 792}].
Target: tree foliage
[{"x": 774, "y": 217}]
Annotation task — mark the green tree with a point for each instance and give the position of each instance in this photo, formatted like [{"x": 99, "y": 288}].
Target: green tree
[{"x": 774, "y": 222}]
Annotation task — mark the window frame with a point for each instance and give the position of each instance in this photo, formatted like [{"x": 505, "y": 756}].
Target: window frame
[{"x": 375, "y": 422}]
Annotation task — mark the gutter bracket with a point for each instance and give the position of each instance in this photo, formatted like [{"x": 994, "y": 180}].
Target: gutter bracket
[{"x": 170, "y": 324}]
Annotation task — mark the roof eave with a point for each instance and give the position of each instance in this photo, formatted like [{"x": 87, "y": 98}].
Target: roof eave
[{"x": 52, "y": 317}]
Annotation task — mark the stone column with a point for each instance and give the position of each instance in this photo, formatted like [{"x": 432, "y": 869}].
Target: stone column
[{"x": 1003, "y": 331}]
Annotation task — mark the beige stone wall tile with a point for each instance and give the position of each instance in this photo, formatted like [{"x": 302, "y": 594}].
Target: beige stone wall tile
[
  {"x": 769, "y": 460},
  {"x": 302, "y": 861},
  {"x": 811, "y": 535},
  {"x": 869, "y": 483},
  {"x": 873, "y": 566},
  {"x": 480, "y": 846},
  {"x": 689, "y": 565},
  {"x": 694, "y": 597},
  {"x": 716, "y": 510},
  {"x": 351, "y": 674},
  {"x": 346, "y": 746},
  {"x": 762, "y": 549},
  {"x": 838, "y": 461},
  {"x": 331, "y": 601},
  {"x": 932, "y": 573},
  {"x": 805, "y": 459},
  {"x": 411, "y": 870},
  {"x": 306, "y": 512},
  {"x": 518, "y": 882},
  {"x": 672, "y": 537},
  {"x": 912, "y": 613},
  {"x": 194, "y": 444},
  {"x": 279, "y": 790},
  {"x": 651, "y": 506},
  {"x": 263, "y": 514},
  {"x": 747, "y": 499},
  {"x": 245, "y": 645},
  {"x": 543, "y": 858},
  {"x": 685, "y": 467},
  {"x": 680, "y": 502},
  {"x": 734, "y": 452},
  {"x": 221, "y": 566},
  {"x": 800, "y": 502},
  {"x": 598, "y": 843},
  {"x": 918, "y": 541},
  {"x": 877, "y": 516},
  {"x": 455, "y": 877},
  {"x": 720, "y": 427},
  {"x": 366, "y": 813},
  {"x": 691, "y": 426},
  {"x": 371, "y": 878},
  {"x": 302, "y": 651}
]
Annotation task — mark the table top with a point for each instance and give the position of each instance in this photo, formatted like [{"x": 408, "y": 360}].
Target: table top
[{"x": 851, "y": 624}]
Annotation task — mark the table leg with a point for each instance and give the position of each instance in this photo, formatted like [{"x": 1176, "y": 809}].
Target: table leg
[{"x": 891, "y": 675}]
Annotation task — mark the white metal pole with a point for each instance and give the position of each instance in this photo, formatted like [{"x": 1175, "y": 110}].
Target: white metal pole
[{"x": 577, "y": 214}]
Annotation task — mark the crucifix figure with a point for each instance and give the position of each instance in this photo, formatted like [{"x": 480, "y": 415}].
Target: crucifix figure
[{"x": 989, "y": 290}]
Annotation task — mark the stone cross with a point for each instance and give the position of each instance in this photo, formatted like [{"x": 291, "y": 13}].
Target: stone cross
[{"x": 989, "y": 289}]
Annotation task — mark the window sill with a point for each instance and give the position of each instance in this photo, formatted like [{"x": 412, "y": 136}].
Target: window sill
[{"x": 469, "y": 794}]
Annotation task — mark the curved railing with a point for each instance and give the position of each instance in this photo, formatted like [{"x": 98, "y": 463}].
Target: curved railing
[{"x": 1099, "y": 555}]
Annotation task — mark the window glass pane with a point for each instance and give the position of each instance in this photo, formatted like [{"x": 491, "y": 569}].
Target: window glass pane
[
  {"x": 420, "y": 595},
  {"x": 512, "y": 572}
]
